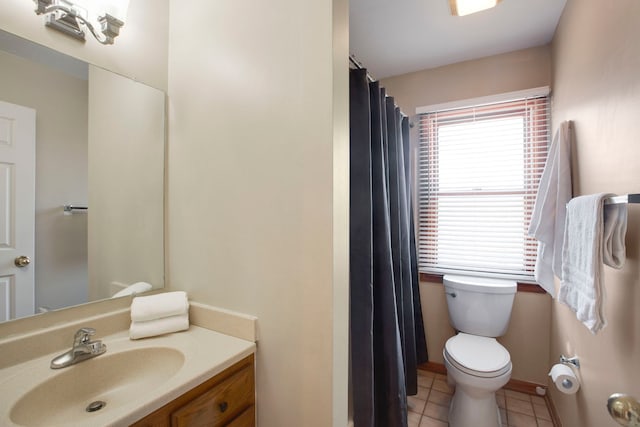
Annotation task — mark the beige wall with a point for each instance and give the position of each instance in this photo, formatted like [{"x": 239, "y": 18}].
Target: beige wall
[
  {"x": 60, "y": 102},
  {"x": 258, "y": 188},
  {"x": 527, "y": 338},
  {"x": 524, "y": 69},
  {"x": 596, "y": 83},
  {"x": 126, "y": 178},
  {"x": 139, "y": 52}
]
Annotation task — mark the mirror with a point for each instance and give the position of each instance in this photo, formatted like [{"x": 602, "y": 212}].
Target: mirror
[{"x": 99, "y": 147}]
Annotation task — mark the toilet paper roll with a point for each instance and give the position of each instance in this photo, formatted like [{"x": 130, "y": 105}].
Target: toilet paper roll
[{"x": 564, "y": 378}]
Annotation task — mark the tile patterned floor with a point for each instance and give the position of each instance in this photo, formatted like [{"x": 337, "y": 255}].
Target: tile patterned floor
[{"x": 430, "y": 407}]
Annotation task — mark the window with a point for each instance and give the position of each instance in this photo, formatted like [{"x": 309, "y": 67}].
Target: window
[{"x": 478, "y": 174}]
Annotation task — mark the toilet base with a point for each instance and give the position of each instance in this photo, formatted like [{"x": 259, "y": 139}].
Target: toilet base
[
  {"x": 474, "y": 402},
  {"x": 471, "y": 411}
]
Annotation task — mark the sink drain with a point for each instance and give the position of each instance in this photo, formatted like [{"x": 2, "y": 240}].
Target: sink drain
[{"x": 95, "y": 406}]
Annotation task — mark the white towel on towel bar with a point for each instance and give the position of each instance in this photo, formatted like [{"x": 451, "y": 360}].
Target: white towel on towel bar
[
  {"x": 614, "y": 251},
  {"x": 548, "y": 217},
  {"x": 591, "y": 230}
]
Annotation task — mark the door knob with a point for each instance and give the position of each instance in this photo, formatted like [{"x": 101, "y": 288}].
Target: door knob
[
  {"x": 22, "y": 261},
  {"x": 624, "y": 409}
]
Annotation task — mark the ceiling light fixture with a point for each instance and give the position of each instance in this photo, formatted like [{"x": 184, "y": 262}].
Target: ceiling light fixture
[
  {"x": 72, "y": 17},
  {"x": 467, "y": 7}
]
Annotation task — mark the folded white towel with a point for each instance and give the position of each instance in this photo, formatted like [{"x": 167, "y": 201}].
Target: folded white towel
[
  {"x": 548, "y": 217},
  {"x": 584, "y": 245},
  {"x": 158, "y": 306},
  {"x": 136, "y": 288},
  {"x": 165, "y": 325}
]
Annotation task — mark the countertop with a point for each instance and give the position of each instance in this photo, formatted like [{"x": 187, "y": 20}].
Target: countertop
[{"x": 206, "y": 353}]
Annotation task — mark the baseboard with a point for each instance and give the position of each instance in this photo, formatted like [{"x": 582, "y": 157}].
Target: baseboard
[
  {"x": 438, "y": 368},
  {"x": 523, "y": 386},
  {"x": 552, "y": 411}
]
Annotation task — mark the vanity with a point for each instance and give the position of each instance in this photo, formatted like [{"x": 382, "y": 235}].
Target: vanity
[
  {"x": 202, "y": 376},
  {"x": 227, "y": 399}
]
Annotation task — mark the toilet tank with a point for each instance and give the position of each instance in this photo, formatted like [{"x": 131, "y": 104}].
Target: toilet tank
[{"x": 478, "y": 305}]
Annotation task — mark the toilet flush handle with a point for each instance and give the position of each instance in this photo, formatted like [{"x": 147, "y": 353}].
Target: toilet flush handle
[{"x": 452, "y": 294}]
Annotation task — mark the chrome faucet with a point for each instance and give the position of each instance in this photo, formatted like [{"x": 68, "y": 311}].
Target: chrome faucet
[{"x": 83, "y": 349}]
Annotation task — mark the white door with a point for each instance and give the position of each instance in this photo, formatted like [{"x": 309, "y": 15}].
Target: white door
[{"x": 17, "y": 210}]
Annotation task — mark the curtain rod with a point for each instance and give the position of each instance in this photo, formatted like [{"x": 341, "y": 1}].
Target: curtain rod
[{"x": 359, "y": 66}]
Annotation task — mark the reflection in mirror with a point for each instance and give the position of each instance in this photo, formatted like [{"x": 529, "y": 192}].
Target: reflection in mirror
[{"x": 99, "y": 143}]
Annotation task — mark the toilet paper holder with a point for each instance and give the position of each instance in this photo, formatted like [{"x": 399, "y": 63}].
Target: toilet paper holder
[{"x": 570, "y": 361}]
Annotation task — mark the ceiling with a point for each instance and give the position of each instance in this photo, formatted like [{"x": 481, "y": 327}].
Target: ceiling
[{"x": 391, "y": 38}]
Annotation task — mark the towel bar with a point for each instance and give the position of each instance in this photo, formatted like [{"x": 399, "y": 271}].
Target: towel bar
[
  {"x": 70, "y": 209},
  {"x": 627, "y": 198}
]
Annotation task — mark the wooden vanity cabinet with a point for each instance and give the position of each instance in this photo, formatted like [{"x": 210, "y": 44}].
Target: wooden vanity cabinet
[{"x": 227, "y": 399}]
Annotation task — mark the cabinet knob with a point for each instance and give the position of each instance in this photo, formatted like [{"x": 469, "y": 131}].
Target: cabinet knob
[{"x": 223, "y": 406}]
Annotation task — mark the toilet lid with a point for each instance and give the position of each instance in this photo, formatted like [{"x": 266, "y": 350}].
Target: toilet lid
[{"x": 479, "y": 356}]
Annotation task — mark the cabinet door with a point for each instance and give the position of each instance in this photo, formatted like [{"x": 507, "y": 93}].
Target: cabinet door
[
  {"x": 246, "y": 419},
  {"x": 220, "y": 404}
]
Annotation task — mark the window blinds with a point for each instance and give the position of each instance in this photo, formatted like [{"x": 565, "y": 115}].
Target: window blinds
[{"x": 478, "y": 174}]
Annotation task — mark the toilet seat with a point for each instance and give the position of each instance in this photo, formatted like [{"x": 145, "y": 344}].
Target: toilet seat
[{"x": 477, "y": 356}]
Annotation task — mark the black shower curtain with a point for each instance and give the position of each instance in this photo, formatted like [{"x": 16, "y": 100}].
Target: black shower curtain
[{"x": 387, "y": 334}]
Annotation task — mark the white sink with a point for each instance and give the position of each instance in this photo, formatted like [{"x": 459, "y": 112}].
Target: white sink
[{"x": 114, "y": 379}]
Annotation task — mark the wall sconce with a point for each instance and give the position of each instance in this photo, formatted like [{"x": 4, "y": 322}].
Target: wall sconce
[{"x": 72, "y": 17}]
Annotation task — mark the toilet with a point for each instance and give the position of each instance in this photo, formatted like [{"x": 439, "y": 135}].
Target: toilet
[{"x": 477, "y": 365}]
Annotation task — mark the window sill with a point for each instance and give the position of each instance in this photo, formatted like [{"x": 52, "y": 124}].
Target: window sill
[{"x": 522, "y": 286}]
